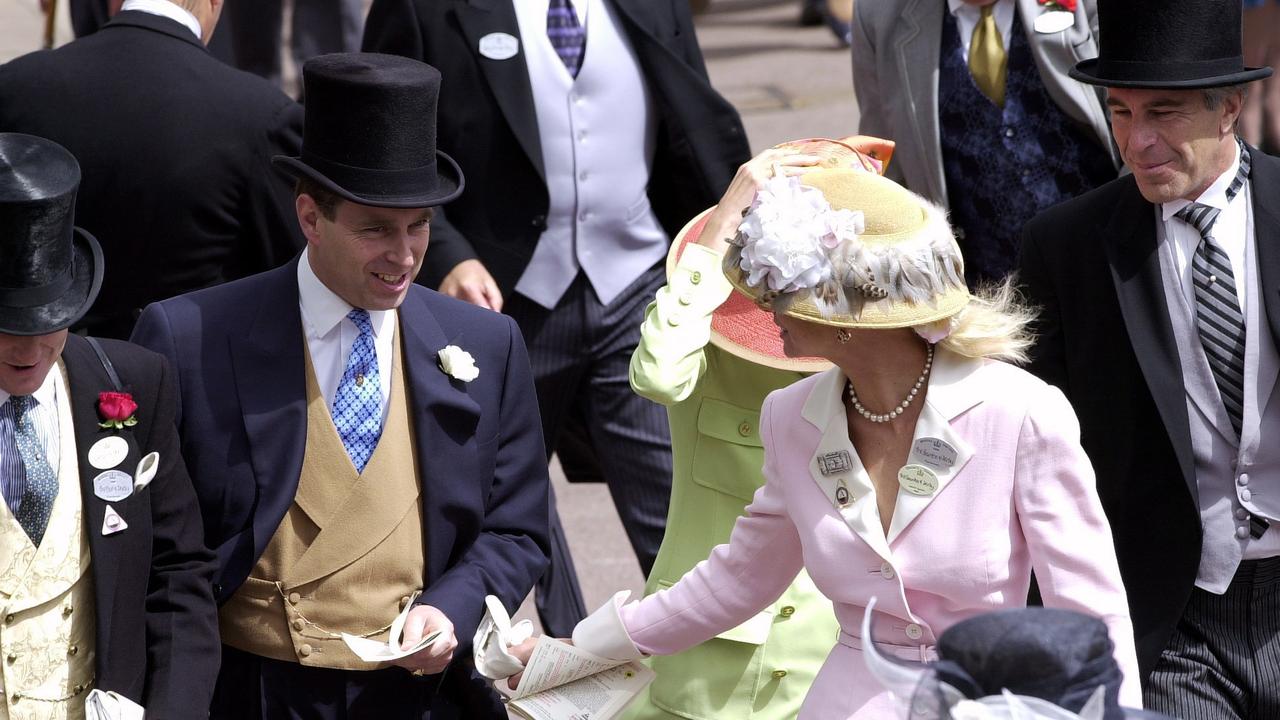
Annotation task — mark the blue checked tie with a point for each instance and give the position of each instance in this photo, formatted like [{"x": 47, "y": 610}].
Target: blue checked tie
[
  {"x": 42, "y": 484},
  {"x": 357, "y": 409},
  {"x": 1218, "y": 316},
  {"x": 567, "y": 35}
]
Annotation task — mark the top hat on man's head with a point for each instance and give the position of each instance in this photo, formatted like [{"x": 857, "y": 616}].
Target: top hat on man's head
[
  {"x": 1176, "y": 44},
  {"x": 50, "y": 271},
  {"x": 370, "y": 132}
]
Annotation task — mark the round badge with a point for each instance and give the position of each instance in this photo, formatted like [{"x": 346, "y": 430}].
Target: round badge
[
  {"x": 1054, "y": 21},
  {"x": 108, "y": 452},
  {"x": 918, "y": 480},
  {"x": 113, "y": 485},
  {"x": 935, "y": 452}
]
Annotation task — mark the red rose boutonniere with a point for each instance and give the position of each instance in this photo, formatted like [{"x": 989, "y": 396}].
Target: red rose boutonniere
[
  {"x": 1067, "y": 5},
  {"x": 117, "y": 410}
]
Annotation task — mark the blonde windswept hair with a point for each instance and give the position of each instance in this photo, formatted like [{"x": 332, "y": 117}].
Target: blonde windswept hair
[{"x": 995, "y": 324}]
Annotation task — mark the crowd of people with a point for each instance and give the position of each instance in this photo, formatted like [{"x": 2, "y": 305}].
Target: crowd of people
[{"x": 276, "y": 375}]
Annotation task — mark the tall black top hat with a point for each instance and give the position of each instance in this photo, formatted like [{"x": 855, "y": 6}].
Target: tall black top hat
[
  {"x": 370, "y": 131},
  {"x": 1181, "y": 44},
  {"x": 50, "y": 272}
]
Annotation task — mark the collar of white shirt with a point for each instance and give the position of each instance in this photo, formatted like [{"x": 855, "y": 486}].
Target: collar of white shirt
[
  {"x": 44, "y": 395},
  {"x": 164, "y": 8},
  {"x": 967, "y": 17},
  {"x": 322, "y": 309},
  {"x": 1215, "y": 196}
]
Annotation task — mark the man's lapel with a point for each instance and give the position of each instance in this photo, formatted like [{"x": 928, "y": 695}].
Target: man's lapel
[
  {"x": 1130, "y": 241},
  {"x": 918, "y": 44},
  {"x": 1265, "y": 181},
  {"x": 444, "y": 418},
  {"x": 271, "y": 386},
  {"x": 509, "y": 78},
  {"x": 85, "y": 379}
]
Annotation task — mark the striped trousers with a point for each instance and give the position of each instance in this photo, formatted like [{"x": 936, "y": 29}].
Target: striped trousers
[{"x": 1223, "y": 660}]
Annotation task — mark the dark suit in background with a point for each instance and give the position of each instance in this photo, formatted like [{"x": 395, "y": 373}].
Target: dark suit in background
[
  {"x": 318, "y": 27},
  {"x": 175, "y": 149}
]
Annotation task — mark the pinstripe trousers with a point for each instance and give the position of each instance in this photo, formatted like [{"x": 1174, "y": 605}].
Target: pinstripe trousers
[
  {"x": 1223, "y": 661},
  {"x": 580, "y": 353}
]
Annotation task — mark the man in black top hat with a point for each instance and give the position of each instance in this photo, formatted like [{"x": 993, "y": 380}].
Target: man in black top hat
[
  {"x": 361, "y": 446},
  {"x": 1160, "y": 296},
  {"x": 104, "y": 578}
]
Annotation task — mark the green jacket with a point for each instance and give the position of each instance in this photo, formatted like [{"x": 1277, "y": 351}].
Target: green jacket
[{"x": 762, "y": 669}]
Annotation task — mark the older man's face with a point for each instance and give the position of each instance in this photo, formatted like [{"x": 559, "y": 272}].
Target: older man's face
[
  {"x": 1174, "y": 145},
  {"x": 25, "y": 360}
]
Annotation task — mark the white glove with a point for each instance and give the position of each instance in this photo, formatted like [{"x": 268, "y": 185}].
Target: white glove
[
  {"x": 101, "y": 705},
  {"x": 494, "y": 637}
]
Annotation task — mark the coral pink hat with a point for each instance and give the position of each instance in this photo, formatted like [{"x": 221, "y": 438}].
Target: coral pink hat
[{"x": 739, "y": 326}]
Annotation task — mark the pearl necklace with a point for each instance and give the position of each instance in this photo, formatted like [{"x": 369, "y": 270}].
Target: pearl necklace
[{"x": 902, "y": 406}]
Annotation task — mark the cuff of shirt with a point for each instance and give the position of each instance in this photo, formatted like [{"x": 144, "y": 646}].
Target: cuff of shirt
[{"x": 603, "y": 633}]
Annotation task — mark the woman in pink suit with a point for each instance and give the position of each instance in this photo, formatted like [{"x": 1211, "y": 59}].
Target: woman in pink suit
[{"x": 924, "y": 469}]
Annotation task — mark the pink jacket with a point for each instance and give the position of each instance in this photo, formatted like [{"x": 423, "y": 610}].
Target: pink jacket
[{"x": 1014, "y": 492}]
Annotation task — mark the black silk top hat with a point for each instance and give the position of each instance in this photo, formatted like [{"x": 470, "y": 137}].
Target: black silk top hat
[
  {"x": 1177, "y": 44},
  {"x": 50, "y": 271},
  {"x": 370, "y": 132}
]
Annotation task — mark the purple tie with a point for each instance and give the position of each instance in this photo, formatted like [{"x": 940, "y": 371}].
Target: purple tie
[{"x": 567, "y": 35}]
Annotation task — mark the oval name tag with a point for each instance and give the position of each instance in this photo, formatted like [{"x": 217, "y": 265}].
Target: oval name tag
[
  {"x": 113, "y": 485},
  {"x": 108, "y": 452},
  {"x": 1054, "y": 21},
  {"x": 499, "y": 46},
  {"x": 935, "y": 452},
  {"x": 918, "y": 480}
]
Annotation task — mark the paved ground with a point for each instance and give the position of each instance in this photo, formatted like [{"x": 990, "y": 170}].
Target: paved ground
[{"x": 788, "y": 82}]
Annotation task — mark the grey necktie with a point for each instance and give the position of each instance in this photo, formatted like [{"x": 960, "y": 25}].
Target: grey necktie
[{"x": 42, "y": 484}]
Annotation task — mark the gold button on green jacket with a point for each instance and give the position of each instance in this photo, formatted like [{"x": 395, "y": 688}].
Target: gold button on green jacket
[{"x": 762, "y": 669}]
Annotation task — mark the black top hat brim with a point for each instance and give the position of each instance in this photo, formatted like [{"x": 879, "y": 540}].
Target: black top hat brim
[
  {"x": 26, "y": 316},
  {"x": 412, "y": 188},
  {"x": 1157, "y": 76}
]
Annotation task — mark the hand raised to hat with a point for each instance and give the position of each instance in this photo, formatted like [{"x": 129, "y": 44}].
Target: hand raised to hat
[
  {"x": 751, "y": 176},
  {"x": 434, "y": 658},
  {"x": 469, "y": 280}
]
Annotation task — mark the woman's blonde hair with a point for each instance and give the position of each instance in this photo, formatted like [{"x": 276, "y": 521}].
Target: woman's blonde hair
[{"x": 995, "y": 324}]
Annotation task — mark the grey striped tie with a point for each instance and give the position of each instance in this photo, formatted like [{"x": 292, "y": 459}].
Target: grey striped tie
[
  {"x": 1218, "y": 317},
  {"x": 42, "y": 483}
]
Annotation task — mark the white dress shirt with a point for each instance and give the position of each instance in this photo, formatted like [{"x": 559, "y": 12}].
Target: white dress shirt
[
  {"x": 44, "y": 415},
  {"x": 1228, "y": 231},
  {"x": 330, "y": 334},
  {"x": 164, "y": 8},
  {"x": 967, "y": 17},
  {"x": 532, "y": 14}
]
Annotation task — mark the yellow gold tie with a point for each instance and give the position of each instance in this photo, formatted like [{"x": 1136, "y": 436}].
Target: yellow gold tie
[{"x": 987, "y": 60}]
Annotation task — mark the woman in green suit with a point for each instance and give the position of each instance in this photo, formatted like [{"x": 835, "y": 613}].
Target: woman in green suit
[{"x": 711, "y": 356}]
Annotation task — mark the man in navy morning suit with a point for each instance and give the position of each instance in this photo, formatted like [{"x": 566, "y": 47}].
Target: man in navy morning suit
[{"x": 354, "y": 438}]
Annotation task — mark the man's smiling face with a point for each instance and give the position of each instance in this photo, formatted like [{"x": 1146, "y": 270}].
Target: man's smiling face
[{"x": 25, "y": 360}]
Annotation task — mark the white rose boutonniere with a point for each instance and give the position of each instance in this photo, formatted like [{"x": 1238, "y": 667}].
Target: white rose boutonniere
[{"x": 458, "y": 363}]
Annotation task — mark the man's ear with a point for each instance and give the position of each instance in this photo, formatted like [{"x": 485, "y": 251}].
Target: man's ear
[
  {"x": 309, "y": 217},
  {"x": 1232, "y": 107}
]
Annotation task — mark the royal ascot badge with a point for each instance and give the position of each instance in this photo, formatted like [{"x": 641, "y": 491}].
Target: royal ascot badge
[
  {"x": 1057, "y": 15},
  {"x": 113, "y": 485},
  {"x": 108, "y": 452},
  {"x": 918, "y": 480},
  {"x": 117, "y": 410},
  {"x": 834, "y": 463},
  {"x": 112, "y": 523},
  {"x": 499, "y": 46},
  {"x": 458, "y": 363},
  {"x": 935, "y": 452},
  {"x": 842, "y": 495}
]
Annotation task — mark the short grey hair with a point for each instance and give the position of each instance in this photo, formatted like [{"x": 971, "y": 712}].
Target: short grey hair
[{"x": 1215, "y": 96}]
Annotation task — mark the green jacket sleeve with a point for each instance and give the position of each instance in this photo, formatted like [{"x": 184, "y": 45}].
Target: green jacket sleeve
[{"x": 669, "y": 361}]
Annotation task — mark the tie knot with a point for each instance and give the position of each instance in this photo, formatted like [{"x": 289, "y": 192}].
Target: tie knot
[
  {"x": 20, "y": 403},
  {"x": 1199, "y": 216},
  {"x": 987, "y": 10},
  {"x": 360, "y": 318}
]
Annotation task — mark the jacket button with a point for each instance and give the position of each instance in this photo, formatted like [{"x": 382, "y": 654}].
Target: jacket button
[
  {"x": 11, "y": 658},
  {"x": 305, "y": 650},
  {"x": 886, "y": 571},
  {"x": 744, "y": 429},
  {"x": 674, "y": 320},
  {"x": 15, "y": 697},
  {"x": 914, "y": 631},
  {"x": 686, "y": 298},
  {"x": 294, "y": 598},
  {"x": 66, "y": 611},
  {"x": 73, "y": 650},
  {"x": 787, "y": 611},
  {"x": 404, "y": 602},
  {"x": 539, "y": 222},
  {"x": 779, "y": 674},
  {"x": 298, "y": 625},
  {"x": 696, "y": 277},
  {"x": 217, "y": 589},
  {"x": 8, "y": 619}
]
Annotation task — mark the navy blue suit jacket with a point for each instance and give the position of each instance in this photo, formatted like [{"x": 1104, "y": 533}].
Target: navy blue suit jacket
[{"x": 237, "y": 350}]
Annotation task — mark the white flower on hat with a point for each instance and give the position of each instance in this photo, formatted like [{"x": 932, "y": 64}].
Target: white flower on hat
[
  {"x": 783, "y": 234},
  {"x": 458, "y": 363}
]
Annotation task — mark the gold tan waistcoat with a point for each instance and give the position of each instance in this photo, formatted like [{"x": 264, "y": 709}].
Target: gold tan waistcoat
[
  {"x": 349, "y": 551},
  {"x": 47, "y": 622}
]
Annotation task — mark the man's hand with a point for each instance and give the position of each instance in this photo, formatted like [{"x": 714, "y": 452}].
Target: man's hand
[
  {"x": 523, "y": 652},
  {"x": 751, "y": 176},
  {"x": 434, "y": 658},
  {"x": 470, "y": 281}
]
